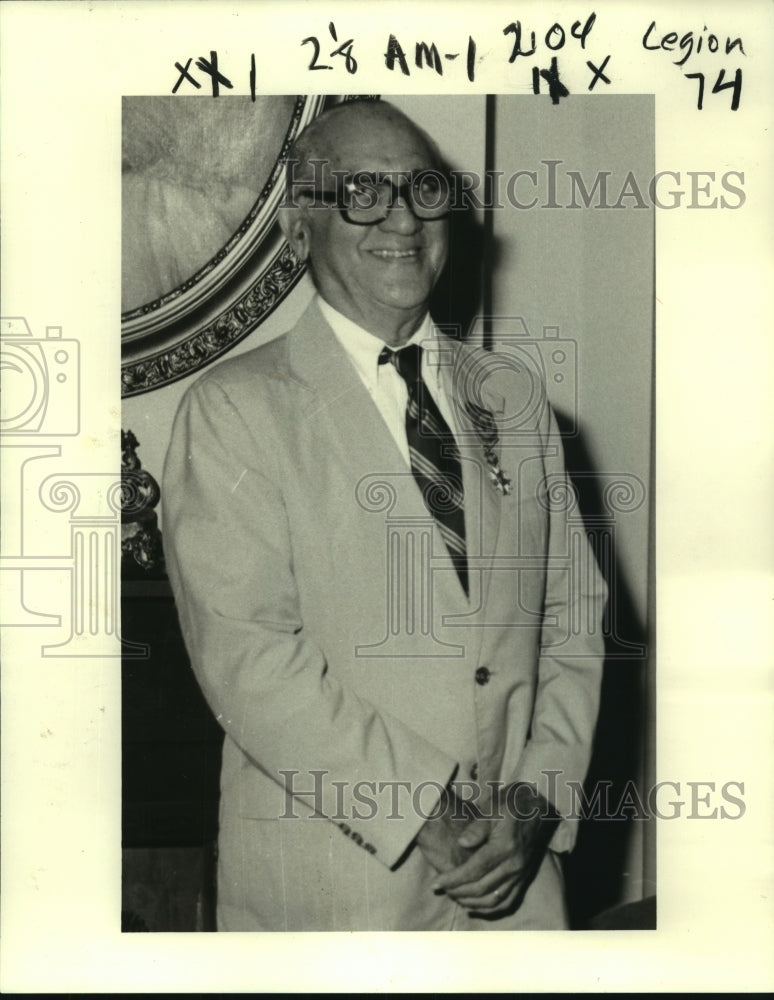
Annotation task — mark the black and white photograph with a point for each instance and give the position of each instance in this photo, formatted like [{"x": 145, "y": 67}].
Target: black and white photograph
[
  {"x": 401, "y": 669},
  {"x": 386, "y": 482}
]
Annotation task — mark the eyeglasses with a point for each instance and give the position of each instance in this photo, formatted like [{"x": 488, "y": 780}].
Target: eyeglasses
[{"x": 366, "y": 199}]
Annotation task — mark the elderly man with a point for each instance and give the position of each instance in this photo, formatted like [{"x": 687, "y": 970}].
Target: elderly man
[{"x": 376, "y": 590}]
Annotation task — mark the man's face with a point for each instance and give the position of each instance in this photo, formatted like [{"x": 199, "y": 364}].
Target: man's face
[{"x": 380, "y": 276}]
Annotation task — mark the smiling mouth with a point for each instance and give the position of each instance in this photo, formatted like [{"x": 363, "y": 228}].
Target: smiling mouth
[{"x": 394, "y": 254}]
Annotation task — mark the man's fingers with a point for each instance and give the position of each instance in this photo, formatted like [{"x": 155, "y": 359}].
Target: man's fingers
[
  {"x": 476, "y": 866},
  {"x": 475, "y": 833},
  {"x": 487, "y": 904},
  {"x": 489, "y": 863},
  {"x": 501, "y": 897},
  {"x": 498, "y": 880}
]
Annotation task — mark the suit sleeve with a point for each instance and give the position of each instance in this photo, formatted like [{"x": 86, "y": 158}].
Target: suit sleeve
[
  {"x": 557, "y": 754},
  {"x": 230, "y": 561}
]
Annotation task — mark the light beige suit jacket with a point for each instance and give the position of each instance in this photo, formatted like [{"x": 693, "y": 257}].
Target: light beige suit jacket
[{"x": 336, "y": 647}]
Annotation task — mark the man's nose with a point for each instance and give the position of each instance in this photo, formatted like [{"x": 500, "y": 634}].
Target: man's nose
[{"x": 400, "y": 217}]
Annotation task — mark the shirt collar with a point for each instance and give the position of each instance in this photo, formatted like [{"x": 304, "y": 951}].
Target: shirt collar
[{"x": 363, "y": 347}]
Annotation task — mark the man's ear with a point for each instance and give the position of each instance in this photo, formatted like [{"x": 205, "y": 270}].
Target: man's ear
[{"x": 295, "y": 227}]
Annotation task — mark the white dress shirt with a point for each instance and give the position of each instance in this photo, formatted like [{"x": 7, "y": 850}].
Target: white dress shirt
[{"x": 388, "y": 390}]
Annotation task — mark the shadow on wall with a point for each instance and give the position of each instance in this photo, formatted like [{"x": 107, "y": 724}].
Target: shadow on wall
[
  {"x": 457, "y": 298},
  {"x": 595, "y": 870}
]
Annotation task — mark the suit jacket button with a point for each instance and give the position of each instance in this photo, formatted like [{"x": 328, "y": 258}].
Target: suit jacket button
[{"x": 482, "y": 675}]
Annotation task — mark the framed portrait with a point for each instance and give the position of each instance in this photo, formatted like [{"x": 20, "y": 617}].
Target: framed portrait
[{"x": 203, "y": 260}]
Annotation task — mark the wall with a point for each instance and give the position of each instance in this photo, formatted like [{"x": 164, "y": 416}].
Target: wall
[{"x": 590, "y": 272}]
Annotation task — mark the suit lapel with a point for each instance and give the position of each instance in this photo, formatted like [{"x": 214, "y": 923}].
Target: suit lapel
[
  {"x": 363, "y": 441},
  {"x": 483, "y": 503},
  {"x": 337, "y": 395}
]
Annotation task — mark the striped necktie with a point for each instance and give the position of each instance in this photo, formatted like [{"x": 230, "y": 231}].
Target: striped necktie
[{"x": 435, "y": 458}]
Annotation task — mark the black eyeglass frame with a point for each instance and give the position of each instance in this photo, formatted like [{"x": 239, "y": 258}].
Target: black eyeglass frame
[{"x": 366, "y": 181}]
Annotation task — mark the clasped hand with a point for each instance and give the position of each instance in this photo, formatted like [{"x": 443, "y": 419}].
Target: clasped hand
[{"x": 486, "y": 864}]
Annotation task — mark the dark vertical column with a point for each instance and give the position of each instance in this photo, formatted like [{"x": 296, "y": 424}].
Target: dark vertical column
[{"x": 487, "y": 261}]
